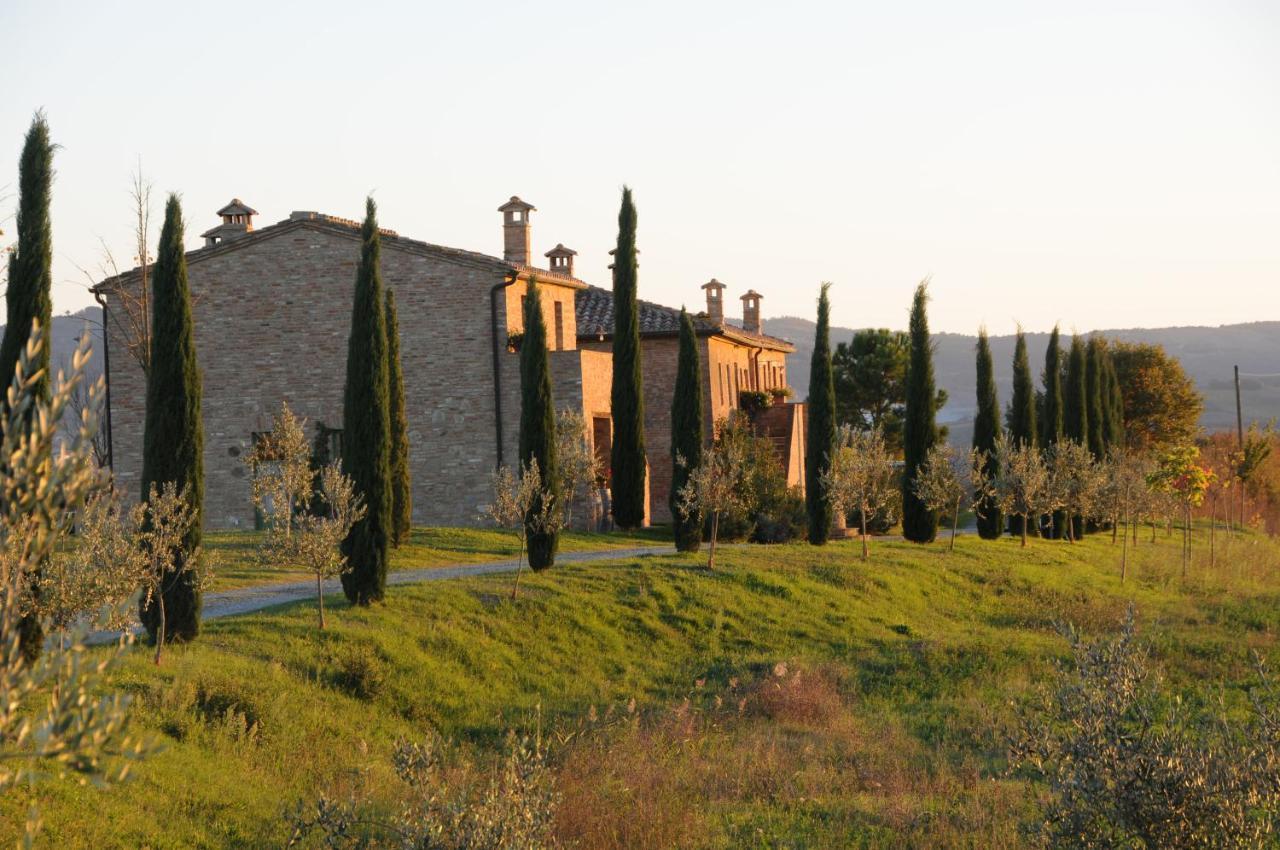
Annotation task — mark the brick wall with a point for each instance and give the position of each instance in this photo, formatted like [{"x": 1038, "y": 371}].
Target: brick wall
[{"x": 272, "y": 317}]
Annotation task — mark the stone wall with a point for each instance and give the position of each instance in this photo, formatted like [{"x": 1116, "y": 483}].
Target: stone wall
[{"x": 272, "y": 317}]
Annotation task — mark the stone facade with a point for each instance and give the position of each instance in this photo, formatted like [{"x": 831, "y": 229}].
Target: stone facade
[
  {"x": 272, "y": 316},
  {"x": 272, "y": 310}
]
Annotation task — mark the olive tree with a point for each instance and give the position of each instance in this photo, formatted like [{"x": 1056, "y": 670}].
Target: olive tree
[
  {"x": 719, "y": 484},
  {"x": 57, "y": 715},
  {"x": 861, "y": 476},
  {"x": 523, "y": 504},
  {"x": 1077, "y": 481},
  {"x": 1125, "y": 494},
  {"x": 280, "y": 468},
  {"x": 163, "y": 525},
  {"x": 945, "y": 482},
  {"x": 1022, "y": 486},
  {"x": 576, "y": 463}
]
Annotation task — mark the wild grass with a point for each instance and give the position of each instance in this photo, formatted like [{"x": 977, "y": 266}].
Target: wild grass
[
  {"x": 797, "y": 697},
  {"x": 234, "y": 554}
]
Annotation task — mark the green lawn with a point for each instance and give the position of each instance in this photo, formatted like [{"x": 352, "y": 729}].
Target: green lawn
[
  {"x": 797, "y": 697},
  {"x": 234, "y": 554}
]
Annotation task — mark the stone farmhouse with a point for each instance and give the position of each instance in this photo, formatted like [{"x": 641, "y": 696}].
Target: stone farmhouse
[{"x": 272, "y": 315}]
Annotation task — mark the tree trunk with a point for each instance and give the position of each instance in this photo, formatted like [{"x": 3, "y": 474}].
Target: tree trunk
[
  {"x": 160, "y": 631},
  {"x": 515, "y": 587},
  {"x": 862, "y": 524},
  {"x": 955, "y": 523},
  {"x": 1213, "y": 522},
  {"x": 320, "y": 600},
  {"x": 1026, "y": 520},
  {"x": 715, "y": 529},
  {"x": 1124, "y": 555}
]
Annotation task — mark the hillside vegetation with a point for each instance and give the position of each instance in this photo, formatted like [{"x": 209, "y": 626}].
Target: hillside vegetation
[{"x": 797, "y": 697}]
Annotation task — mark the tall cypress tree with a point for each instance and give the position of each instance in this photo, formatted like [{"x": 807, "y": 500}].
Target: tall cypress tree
[
  {"x": 1076, "y": 409},
  {"x": 919, "y": 428},
  {"x": 366, "y": 424},
  {"x": 28, "y": 298},
  {"x": 628, "y": 455},
  {"x": 401, "y": 485},
  {"x": 1051, "y": 423},
  {"x": 173, "y": 431},
  {"x": 986, "y": 431},
  {"x": 1112, "y": 402},
  {"x": 686, "y": 432},
  {"x": 1021, "y": 417},
  {"x": 1095, "y": 391},
  {"x": 538, "y": 423},
  {"x": 820, "y": 442}
]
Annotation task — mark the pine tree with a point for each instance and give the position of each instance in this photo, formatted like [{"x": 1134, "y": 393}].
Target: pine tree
[
  {"x": 366, "y": 424},
  {"x": 820, "y": 442},
  {"x": 401, "y": 484},
  {"x": 1051, "y": 422},
  {"x": 28, "y": 298},
  {"x": 920, "y": 430},
  {"x": 1076, "y": 409},
  {"x": 628, "y": 456},
  {"x": 173, "y": 431},
  {"x": 1021, "y": 417},
  {"x": 1095, "y": 391},
  {"x": 686, "y": 433},
  {"x": 538, "y": 424},
  {"x": 986, "y": 432}
]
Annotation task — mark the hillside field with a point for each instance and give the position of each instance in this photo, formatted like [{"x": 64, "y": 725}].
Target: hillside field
[{"x": 796, "y": 697}]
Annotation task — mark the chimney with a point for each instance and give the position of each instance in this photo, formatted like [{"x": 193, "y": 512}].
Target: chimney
[
  {"x": 516, "y": 234},
  {"x": 560, "y": 259},
  {"x": 751, "y": 311},
  {"x": 715, "y": 300},
  {"x": 237, "y": 221}
]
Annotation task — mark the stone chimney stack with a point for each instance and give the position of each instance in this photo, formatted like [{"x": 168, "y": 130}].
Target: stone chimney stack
[
  {"x": 237, "y": 221},
  {"x": 715, "y": 300},
  {"x": 516, "y": 233},
  {"x": 560, "y": 259},
  {"x": 751, "y": 311}
]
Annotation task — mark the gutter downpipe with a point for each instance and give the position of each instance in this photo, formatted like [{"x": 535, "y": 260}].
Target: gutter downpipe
[
  {"x": 511, "y": 277},
  {"x": 106, "y": 380}
]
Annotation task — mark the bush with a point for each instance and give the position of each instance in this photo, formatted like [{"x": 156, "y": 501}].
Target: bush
[
  {"x": 782, "y": 521},
  {"x": 773, "y": 513},
  {"x": 1128, "y": 765},
  {"x": 754, "y": 401},
  {"x": 360, "y": 672}
]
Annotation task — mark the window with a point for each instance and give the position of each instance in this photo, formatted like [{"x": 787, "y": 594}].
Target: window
[
  {"x": 559, "y": 326},
  {"x": 720, "y": 376}
]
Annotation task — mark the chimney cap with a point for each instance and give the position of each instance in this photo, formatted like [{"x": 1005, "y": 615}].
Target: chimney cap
[
  {"x": 517, "y": 205},
  {"x": 561, "y": 251},
  {"x": 713, "y": 284},
  {"x": 237, "y": 207},
  {"x": 750, "y": 293}
]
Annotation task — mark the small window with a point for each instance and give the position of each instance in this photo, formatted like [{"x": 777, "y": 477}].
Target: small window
[{"x": 559, "y": 326}]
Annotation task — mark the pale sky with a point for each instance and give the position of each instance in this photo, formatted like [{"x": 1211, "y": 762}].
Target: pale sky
[{"x": 1098, "y": 164}]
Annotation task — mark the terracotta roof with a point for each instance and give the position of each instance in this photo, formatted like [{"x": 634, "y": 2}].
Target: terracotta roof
[
  {"x": 593, "y": 308},
  {"x": 350, "y": 227},
  {"x": 237, "y": 207},
  {"x": 516, "y": 204}
]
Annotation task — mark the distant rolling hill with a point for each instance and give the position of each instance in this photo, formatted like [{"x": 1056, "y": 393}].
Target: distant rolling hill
[
  {"x": 66, "y": 336},
  {"x": 1207, "y": 354}
]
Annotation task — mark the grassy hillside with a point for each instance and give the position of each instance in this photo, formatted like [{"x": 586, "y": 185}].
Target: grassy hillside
[{"x": 795, "y": 698}]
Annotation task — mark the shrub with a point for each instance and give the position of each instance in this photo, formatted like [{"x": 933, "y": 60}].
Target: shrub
[
  {"x": 1129, "y": 765},
  {"x": 754, "y": 401},
  {"x": 360, "y": 672}
]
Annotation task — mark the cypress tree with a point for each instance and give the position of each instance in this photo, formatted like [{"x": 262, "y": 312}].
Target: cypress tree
[
  {"x": 173, "y": 432},
  {"x": 628, "y": 455},
  {"x": 686, "y": 432},
  {"x": 1112, "y": 402},
  {"x": 1021, "y": 418},
  {"x": 538, "y": 422},
  {"x": 1051, "y": 423},
  {"x": 366, "y": 424},
  {"x": 919, "y": 430},
  {"x": 401, "y": 486},
  {"x": 1076, "y": 409},
  {"x": 1095, "y": 390},
  {"x": 986, "y": 431},
  {"x": 820, "y": 441},
  {"x": 28, "y": 298}
]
